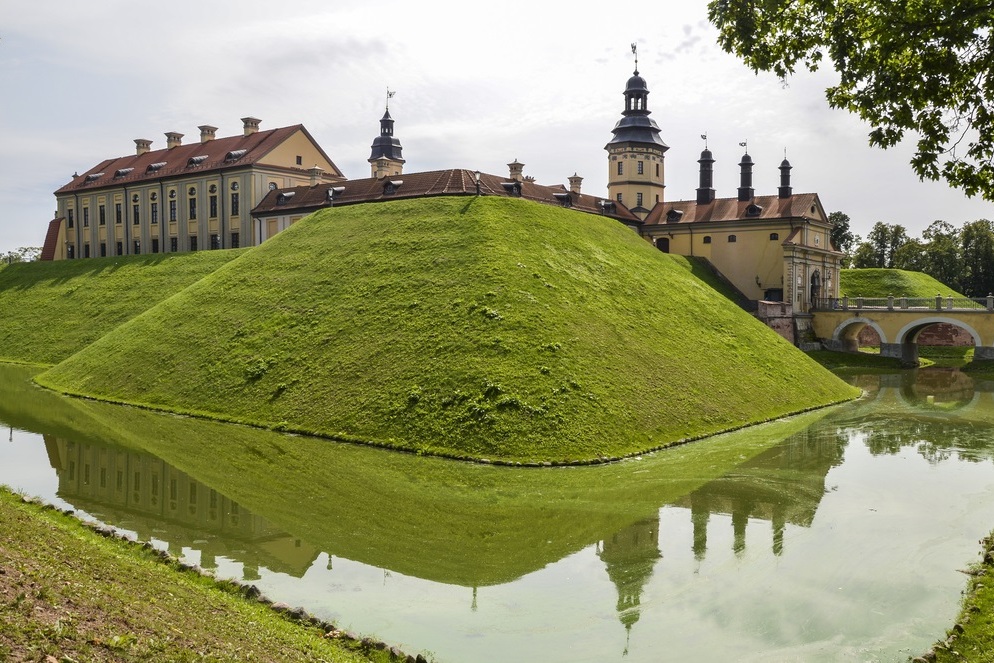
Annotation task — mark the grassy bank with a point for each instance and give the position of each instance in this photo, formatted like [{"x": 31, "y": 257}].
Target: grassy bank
[
  {"x": 473, "y": 327},
  {"x": 879, "y": 282},
  {"x": 971, "y": 638},
  {"x": 49, "y": 310},
  {"x": 72, "y": 595}
]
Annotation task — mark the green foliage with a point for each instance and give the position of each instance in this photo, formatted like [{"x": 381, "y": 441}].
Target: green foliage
[
  {"x": 539, "y": 334},
  {"x": 49, "y": 310},
  {"x": 918, "y": 68},
  {"x": 842, "y": 236},
  {"x": 977, "y": 239},
  {"x": 887, "y": 282},
  {"x": 20, "y": 254}
]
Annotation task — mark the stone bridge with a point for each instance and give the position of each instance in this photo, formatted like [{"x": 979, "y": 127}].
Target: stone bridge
[{"x": 899, "y": 320}]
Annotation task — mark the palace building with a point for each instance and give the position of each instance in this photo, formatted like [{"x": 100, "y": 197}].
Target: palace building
[{"x": 184, "y": 197}]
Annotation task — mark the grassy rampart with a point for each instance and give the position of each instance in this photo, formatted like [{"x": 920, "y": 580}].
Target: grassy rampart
[
  {"x": 472, "y": 327},
  {"x": 49, "y": 310},
  {"x": 886, "y": 282}
]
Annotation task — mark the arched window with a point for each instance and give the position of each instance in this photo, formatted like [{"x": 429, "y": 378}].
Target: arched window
[
  {"x": 774, "y": 237},
  {"x": 731, "y": 238},
  {"x": 707, "y": 239}
]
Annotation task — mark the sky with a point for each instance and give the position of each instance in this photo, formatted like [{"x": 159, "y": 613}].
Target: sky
[{"x": 477, "y": 86}]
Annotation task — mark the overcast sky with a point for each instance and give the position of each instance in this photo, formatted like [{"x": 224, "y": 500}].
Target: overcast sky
[{"x": 477, "y": 86}]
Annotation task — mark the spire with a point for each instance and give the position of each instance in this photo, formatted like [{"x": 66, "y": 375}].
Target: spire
[
  {"x": 630, "y": 557},
  {"x": 746, "y": 192},
  {"x": 386, "y": 156}
]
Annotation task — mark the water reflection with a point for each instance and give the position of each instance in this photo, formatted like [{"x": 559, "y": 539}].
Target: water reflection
[{"x": 480, "y": 563}]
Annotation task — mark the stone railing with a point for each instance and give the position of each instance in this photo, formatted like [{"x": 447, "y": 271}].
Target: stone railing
[{"x": 910, "y": 304}]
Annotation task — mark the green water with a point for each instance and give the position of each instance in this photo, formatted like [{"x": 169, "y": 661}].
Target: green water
[{"x": 832, "y": 536}]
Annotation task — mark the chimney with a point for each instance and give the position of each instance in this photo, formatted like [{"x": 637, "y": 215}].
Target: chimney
[
  {"x": 705, "y": 193},
  {"x": 173, "y": 139},
  {"x": 574, "y": 184},
  {"x": 207, "y": 132},
  {"x": 315, "y": 172},
  {"x": 142, "y": 146},
  {"x": 746, "y": 192},
  {"x": 516, "y": 168},
  {"x": 250, "y": 125},
  {"x": 785, "y": 189}
]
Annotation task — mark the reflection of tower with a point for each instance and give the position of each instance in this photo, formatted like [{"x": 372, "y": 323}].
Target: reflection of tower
[
  {"x": 630, "y": 556},
  {"x": 700, "y": 512}
]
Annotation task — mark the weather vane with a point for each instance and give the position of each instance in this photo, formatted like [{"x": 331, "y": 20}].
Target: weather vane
[
  {"x": 745, "y": 144},
  {"x": 390, "y": 96},
  {"x": 704, "y": 137},
  {"x": 635, "y": 51}
]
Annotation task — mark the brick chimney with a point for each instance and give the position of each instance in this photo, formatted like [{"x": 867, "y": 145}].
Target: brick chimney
[
  {"x": 516, "y": 168},
  {"x": 142, "y": 146},
  {"x": 173, "y": 139},
  {"x": 207, "y": 132},
  {"x": 574, "y": 184},
  {"x": 250, "y": 125}
]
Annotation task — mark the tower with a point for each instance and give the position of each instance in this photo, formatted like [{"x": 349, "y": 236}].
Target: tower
[
  {"x": 385, "y": 159},
  {"x": 635, "y": 154}
]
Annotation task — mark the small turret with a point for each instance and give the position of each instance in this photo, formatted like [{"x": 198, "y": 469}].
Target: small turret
[
  {"x": 785, "y": 190},
  {"x": 705, "y": 192},
  {"x": 746, "y": 192}
]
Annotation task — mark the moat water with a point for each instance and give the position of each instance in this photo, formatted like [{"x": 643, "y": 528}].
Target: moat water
[{"x": 835, "y": 536}]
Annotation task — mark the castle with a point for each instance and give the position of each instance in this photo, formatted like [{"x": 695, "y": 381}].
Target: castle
[{"x": 241, "y": 190}]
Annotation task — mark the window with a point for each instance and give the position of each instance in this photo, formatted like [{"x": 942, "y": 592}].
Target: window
[
  {"x": 619, "y": 197},
  {"x": 173, "y": 244},
  {"x": 137, "y": 247},
  {"x": 172, "y": 210},
  {"x": 155, "y": 213},
  {"x": 234, "y": 240},
  {"x": 70, "y": 251},
  {"x": 193, "y": 209},
  {"x": 234, "y": 204},
  {"x": 86, "y": 218},
  {"x": 86, "y": 250},
  {"x": 731, "y": 238},
  {"x": 155, "y": 245},
  {"x": 193, "y": 242},
  {"x": 120, "y": 249},
  {"x": 69, "y": 219},
  {"x": 134, "y": 214},
  {"x": 657, "y": 170},
  {"x": 103, "y": 215},
  {"x": 103, "y": 249},
  {"x": 641, "y": 168},
  {"x": 118, "y": 213},
  {"x": 300, "y": 160},
  {"x": 621, "y": 168},
  {"x": 638, "y": 199},
  {"x": 215, "y": 242},
  {"x": 707, "y": 239},
  {"x": 213, "y": 206},
  {"x": 774, "y": 237}
]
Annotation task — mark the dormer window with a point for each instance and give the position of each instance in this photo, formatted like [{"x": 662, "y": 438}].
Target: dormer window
[
  {"x": 196, "y": 161},
  {"x": 155, "y": 167},
  {"x": 607, "y": 206},
  {"x": 564, "y": 199},
  {"x": 391, "y": 186},
  {"x": 234, "y": 155},
  {"x": 121, "y": 172},
  {"x": 94, "y": 176},
  {"x": 512, "y": 188},
  {"x": 334, "y": 193},
  {"x": 284, "y": 197},
  {"x": 753, "y": 210},
  {"x": 674, "y": 216}
]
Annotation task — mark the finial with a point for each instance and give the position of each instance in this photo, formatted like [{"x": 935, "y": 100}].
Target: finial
[
  {"x": 390, "y": 96},
  {"x": 745, "y": 144},
  {"x": 785, "y": 153},
  {"x": 704, "y": 137},
  {"x": 635, "y": 51}
]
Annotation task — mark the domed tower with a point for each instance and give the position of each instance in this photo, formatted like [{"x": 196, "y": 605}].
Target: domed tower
[
  {"x": 385, "y": 159},
  {"x": 635, "y": 154}
]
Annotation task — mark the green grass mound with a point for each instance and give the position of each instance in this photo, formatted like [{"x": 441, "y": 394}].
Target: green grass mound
[
  {"x": 50, "y": 310},
  {"x": 474, "y": 327},
  {"x": 878, "y": 282}
]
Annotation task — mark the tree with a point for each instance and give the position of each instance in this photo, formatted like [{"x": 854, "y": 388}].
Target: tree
[
  {"x": 977, "y": 239},
  {"x": 21, "y": 254},
  {"x": 886, "y": 239},
  {"x": 842, "y": 237},
  {"x": 918, "y": 68},
  {"x": 943, "y": 261},
  {"x": 864, "y": 257},
  {"x": 911, "y": 256}
]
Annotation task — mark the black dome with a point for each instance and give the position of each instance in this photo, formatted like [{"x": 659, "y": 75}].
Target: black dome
[{"x": 635, "y": 83}]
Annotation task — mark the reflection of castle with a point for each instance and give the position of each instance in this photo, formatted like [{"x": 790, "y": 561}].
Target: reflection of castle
[
  {"x": 142, "y": 493},
  {"x": 782, "y": 485}
]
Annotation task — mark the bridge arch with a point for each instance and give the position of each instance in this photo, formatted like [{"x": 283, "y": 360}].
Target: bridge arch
[
  {"x": 847, "y": 332},
  {"x": 910, "y": 331}
]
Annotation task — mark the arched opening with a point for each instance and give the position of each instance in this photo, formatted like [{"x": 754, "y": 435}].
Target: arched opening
[
  {"x": 942, "y": 341},
  {"x": 663, "y": 244},
  {"x": 815, "y": 286},
  {"x": 939, "y": 388}
]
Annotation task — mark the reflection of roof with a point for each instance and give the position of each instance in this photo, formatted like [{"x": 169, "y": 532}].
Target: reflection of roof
[
  {"x": 227, "y": 152},
  {"x": 454, "y": 182}
]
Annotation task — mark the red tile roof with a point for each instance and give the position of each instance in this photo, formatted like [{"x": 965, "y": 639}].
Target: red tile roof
[
  {"x": 455, "y": 182},
  {"x": 177, "y": 160},
  {"x": 51, "y": 239},
  {"x": 732, "y": 209}
]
